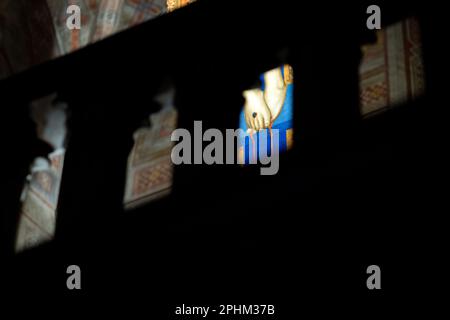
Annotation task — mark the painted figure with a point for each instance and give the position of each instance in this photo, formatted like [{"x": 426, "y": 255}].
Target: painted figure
[{"x": 267, "y": 107}]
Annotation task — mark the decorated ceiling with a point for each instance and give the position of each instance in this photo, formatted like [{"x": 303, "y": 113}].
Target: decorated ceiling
[{"x": 35, "y": 31}]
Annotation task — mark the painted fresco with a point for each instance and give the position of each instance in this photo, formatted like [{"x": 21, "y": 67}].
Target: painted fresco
[{"x": 266, "y": 108}]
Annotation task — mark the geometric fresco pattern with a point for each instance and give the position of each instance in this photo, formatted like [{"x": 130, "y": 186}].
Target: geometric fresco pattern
[
  {"x": 391, "y": 71},
  {"x": 150, "y": 168},
  {"x": 37, "y": 218},
  {"x": 150, "y": 177}
]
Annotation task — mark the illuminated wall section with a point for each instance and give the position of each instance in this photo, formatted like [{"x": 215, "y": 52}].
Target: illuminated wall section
[
  {"x": 150, "y": 167},
  {"x": 176, "y": 4},
  {"x": 392, "y": 72},
  {"x": 268, "y": 107},
  {"x": 37, "y": 217}
]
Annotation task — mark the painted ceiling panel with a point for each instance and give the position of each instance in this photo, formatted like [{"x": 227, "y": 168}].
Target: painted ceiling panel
[{"x": 32, "y": 32}]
